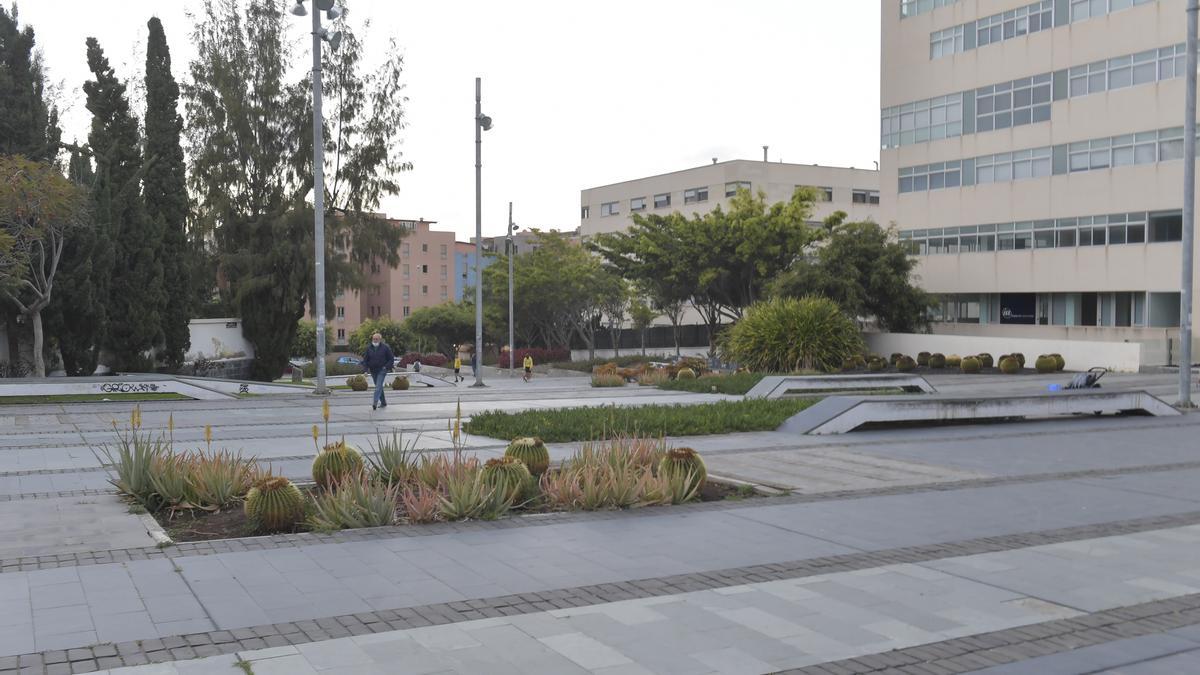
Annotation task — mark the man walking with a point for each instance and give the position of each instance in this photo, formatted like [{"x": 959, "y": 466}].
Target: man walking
[{"x": 378, "y": 361}]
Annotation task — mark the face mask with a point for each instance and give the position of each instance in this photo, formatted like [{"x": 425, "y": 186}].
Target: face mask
[{"x": 375, "y": 342}]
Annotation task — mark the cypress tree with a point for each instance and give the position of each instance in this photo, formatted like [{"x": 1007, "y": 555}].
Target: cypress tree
[
  {"x": 28, "y": 126},
  {"x": 133, "y": 290},
  {"x": 166, "y": 194}
]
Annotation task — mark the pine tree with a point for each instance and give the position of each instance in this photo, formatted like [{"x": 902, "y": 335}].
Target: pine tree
[
  {"x": 28, "y": 124},
  {"x": 133, "y": 290},
  {"x": 166, "y": 194}
]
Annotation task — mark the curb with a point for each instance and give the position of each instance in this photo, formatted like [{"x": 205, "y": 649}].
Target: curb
[{"x": 156, "y": 531}]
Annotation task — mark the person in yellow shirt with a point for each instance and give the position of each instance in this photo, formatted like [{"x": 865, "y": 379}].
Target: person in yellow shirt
[
  {"x": 458, "y": 366},
  {"x": 528, "y": 363}
]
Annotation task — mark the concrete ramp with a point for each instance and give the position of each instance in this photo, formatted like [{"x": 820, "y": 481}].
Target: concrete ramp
[
  {"x": 776, "y": 386},
  {"x": 114, "y": 384},
  {"x": 842, "y": 414}
]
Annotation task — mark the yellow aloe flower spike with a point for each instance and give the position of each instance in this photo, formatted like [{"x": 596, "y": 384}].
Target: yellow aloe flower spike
[
  {"x": 208, "y": 434},
  {"x": 135, "y": 417},
  {"x": 325, "y": 410},
  {"x": 171, "y": 422}
]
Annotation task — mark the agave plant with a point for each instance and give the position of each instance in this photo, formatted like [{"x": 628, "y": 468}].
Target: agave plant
[
  {"x": 171, "y": 474},
  {"x": 129, "y": 463},
  {"x": 395, "y": 460},
  {"x": 469, "y": 497},
  {"x": 356, "y": 502},
  {"x": 219, "y": 478},
  {"x": 421, "y": 504},
  {"x": 561, "y": 489}
]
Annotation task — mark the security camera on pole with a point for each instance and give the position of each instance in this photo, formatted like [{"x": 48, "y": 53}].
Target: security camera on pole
[
  {"x": 319, "y": 34},
  {"x": 482, "y": 124}
]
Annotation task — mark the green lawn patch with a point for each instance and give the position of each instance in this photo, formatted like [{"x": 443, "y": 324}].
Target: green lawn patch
[
  {"x": 92, "y": 398},
  {"x": 735, "y": 384},
  {"x": 581, "y": 424}
]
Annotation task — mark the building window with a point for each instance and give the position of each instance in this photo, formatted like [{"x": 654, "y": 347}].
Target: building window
[
  {"x": 444, "y": 251},
  {"x": 824, "y": 194},
  {"x": 694, "y": 195},
  {"x": 610, "y": 209},
  {"x": 731, "y": 189},
  {"x": 946, "y": 42},
  {"x": 424, "y": 290},
  {"x": 637, "y": 204},
  {"x": 405, "y": 269},
  {"x": 1014, "y": 23},
  {"x": 443, "y": 275},
  {"x": 1166, "y": 226},
  {"x": 405, "y": 250},
  {"x": 931, "y": 177},
  {"x": 424, "y": 269},
  {"x": 406, "y": 292},
  {"x": 584, "y": 212},
  {"x": 1013, "y": 104},
  {"x": 341, "y": 335},
  {"x": 921, "y": 121},
  {"x": 865, "y": 196},
  {"x": 374, "y": 268},
  {"x": 406, "y": 310},
  {"x": 914, "y": 7},
  {"x": 341, "y": 312},
  {"x": 662, "y": 201},
  {"x": 444, "y": 293}
]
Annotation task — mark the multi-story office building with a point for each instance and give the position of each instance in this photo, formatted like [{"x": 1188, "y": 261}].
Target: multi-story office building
[
  {"x": 1031, "y": 157},
  {"x": 610, "y": 208}
]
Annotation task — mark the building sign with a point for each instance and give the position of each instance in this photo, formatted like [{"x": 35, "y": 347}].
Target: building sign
[{"x": 1018, "y": 308}]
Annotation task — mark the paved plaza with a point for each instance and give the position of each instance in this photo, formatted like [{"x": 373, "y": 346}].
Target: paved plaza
[{"x": 1065, "y": 546}]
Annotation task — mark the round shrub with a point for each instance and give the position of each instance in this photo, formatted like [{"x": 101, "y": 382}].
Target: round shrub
[
  {"x": 937, "y": 360},
  {"x": 273, "y": 503},
  {"x": 923, "y": 358},
  {"x": 971, "y": 364},
  {"x": 985, "y": 360},
  {"x": 953, "y": 361},
  {"x": 906, "y": 364},
  {"x": 1046, "y": 364},
  {"x": 507, "y": 476},
  {"x": 683, "y": 462},
  {"x": 1059, "y": 361},
  {"x": 335, "y": 463},
  {"x": 783, "y": 335},
  {"x": 895, "y": 359},
  {"x": 685, "y": 374},
  {"x": 531, "y": 451},
  {"x": 1009, "y": 365},
  {"x": 400, "y": 384},
  {"x": 357, "y": 383},
  {"x": 876, "y": 365},
  {"x": 1019, "y": 357}
]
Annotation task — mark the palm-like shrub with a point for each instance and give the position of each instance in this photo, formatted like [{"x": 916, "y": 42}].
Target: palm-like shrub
[
  {"x": 906, "y": 364},
  {"x": 937, "y": 360},
  {"x": 357, "y": 383},
  {"x": 1009, "y": 365},
  {"x": 783, "y": 335},
  {"x": 335, "y": 463},
  {"x": 274, "y": 504},
  {"x": 532, "y": 452},
  {"x": 971, "y": 364},
  {"x": 1046, "y": 364}
]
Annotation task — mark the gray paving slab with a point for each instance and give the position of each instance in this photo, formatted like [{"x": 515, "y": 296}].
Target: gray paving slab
[
  {"x": 1140, "y": 655},
  {"x": 66, "y": 525}
]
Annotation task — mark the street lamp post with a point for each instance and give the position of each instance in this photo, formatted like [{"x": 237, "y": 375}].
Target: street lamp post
[
  {"x": 482, "y": 124},
  {"x": 319, "y": 34},
  {"x": 510, "y": 251},
  {"x": 1189, "y": 213}
]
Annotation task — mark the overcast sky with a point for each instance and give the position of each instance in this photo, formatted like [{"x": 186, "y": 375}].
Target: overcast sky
[{"x": 582, "y": 93}]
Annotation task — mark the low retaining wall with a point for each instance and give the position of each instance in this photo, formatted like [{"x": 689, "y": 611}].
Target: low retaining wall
[
  {"x": 652, "y": 354},
  {"x": 126, "y": 384},
  {"x": 1079, "y": 354}
]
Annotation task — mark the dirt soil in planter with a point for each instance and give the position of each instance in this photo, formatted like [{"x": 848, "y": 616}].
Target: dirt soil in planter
[{"x": 231, "y": 523}]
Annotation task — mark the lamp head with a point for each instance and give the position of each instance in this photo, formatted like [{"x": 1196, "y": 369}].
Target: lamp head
[
  {"x": 335, "y": 41},
  {"x": 299, "y": 10},
  {"x": 333, "y": 12},
  {"x": 485, "y": 122}
]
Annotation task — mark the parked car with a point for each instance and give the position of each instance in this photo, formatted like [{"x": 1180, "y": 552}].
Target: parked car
[{"x": 352, "y": 360}]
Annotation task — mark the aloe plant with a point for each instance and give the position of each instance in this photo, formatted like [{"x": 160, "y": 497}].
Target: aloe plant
[
  {"x": 355, "y": 502},
  {"x": 395, "y": 460}
]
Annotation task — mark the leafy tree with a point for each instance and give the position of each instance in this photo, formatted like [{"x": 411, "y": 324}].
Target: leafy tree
[
  {"x": 132, "y": 285},
  {"x": 28, "y": 123},
  {"x": 305, "y": 344},
  {"x": 39, "y": 211},
  {"x": 165, "y": 190},
  {"x": 613, "y": 305},
  {"x": 863, "y": 268},
  {"x": 394, "y": 333},
  {"x": 249, "y": 133},
  {"x": 641, "y": 315},
  {"x": 445, "y": 325},
  {"x": 72, "y": 317}
]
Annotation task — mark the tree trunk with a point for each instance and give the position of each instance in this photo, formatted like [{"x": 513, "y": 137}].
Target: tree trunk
[
  {"x": 39, "y": 360},
  {"x": 615, "y": 337},
  {"x": 675, "y": 334},
  {"x": 643, "y": 341}
]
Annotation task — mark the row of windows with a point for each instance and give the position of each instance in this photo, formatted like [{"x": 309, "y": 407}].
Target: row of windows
[
  {"x": 1015, "y": 23},
  {"x": 1146, "y": 147},
  {"x": 914, "y": 7},
  {"x": 424, "y": 269},
  {"x": 406, "y": 250},
  {"x": 1109, "y": 230},
  {"x": 700, "y": 194},
  {"x": 1023, "y": 101},
  {"x": 1106, "y": 308}
]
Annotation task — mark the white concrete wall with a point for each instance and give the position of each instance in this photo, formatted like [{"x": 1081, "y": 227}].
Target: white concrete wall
[
  {"x": 664, "y": 353},
  {"x": 1079, "y": 354},
  {"x": 217, "y": 338}
]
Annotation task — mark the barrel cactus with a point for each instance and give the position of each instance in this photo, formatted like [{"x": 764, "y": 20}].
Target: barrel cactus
[
  {"x": 985, "y": 360},
  {"x": 895, "y": 358},
  {"x": 937, "y": 360},
  {"x": 906, "y": 364},
  {"x": 859, "y": 360},
  {"x": 680, "y": 462},
  {"x": 507, "y": 476},
  {"x": 1046, "y": 364},
  {"x": 273, "y": 503},
  {"x": 971, "y": 364},
  {"x": 532, "y": 452},
  {"x": 335, "y": 463},
  {"x": 849, "y": 364},
  {"x": 923, "y": 358},
  {"x": 953, "y": 361},
  {"x": 1009, "y": 365},
  {"x": 685, "y": 374},
  {"x": 1059, "y": 361},
  {"x": 876, "y": 365},
  {"x": 400, "y": 384},
  {"x": 1019, "y": 357},
  {"x": 357, "y": 383}
]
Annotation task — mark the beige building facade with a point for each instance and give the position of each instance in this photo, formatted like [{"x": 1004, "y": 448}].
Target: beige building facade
[
  {"x": 610, "y": 208},
  {"x": 1031, "y": 156}
]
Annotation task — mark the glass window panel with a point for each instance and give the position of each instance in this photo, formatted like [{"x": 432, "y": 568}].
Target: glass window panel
[
  {"x": 1135, "y": 234},
  {"x": 1116, "y": 234},
  {"x": 1120, "y": 77},
  {"x": 1066, "y": 238}
]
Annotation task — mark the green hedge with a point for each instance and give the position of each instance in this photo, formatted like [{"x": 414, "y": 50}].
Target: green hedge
[
  {"x": 581, "y": 424},
  {"x": 736, "y": 384}
]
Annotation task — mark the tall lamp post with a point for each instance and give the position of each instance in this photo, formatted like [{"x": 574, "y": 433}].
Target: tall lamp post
[
  {"x": 318, "y": 35},
  {"x": 510, "y": 251},
  {"x": 482, "y": 124},
  {"x": 1189, "y": 213}
]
